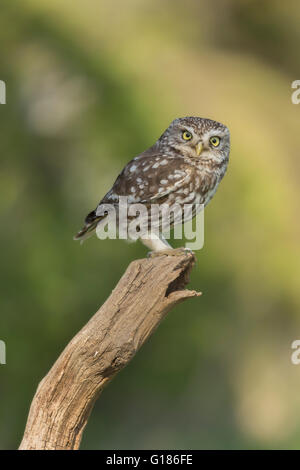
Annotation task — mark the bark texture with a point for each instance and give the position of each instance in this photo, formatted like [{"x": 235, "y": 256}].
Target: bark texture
[{"x": 65, "y": 397}]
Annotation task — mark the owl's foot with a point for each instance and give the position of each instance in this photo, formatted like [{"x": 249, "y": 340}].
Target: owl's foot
[{"x": 170, "y": 252}]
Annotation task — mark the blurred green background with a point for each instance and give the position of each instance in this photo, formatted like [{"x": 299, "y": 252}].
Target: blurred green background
[{"x": 90, "y": 85}]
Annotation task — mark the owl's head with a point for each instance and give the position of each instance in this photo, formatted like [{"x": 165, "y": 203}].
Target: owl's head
[{"x": 196, "y": 137}]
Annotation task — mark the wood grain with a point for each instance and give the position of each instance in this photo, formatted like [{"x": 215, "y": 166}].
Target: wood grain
[{"x": 65, "y": 397}]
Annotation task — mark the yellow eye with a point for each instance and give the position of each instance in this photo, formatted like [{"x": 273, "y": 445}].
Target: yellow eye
[
  {"x": 215, "y": 141},
  {"x": 186, "y": 135}
]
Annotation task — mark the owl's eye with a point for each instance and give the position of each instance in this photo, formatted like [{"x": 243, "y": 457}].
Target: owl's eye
[
  {"x": 215, "y": 141},
  {"x": 186, "y": 135}
]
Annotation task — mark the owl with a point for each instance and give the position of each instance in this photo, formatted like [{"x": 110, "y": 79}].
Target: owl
[{"x": 185, "y": 165}]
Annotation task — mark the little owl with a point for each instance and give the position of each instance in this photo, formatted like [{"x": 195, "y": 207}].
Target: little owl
[{"x": 185, "y": 165}]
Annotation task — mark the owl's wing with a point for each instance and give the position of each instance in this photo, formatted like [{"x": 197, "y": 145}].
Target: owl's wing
[
  {"x": 146, "y": 179},
  {"x": 149, "y": 179}
]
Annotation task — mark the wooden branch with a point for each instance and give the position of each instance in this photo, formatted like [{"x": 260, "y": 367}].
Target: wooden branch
[{"x": 65, "y": 397}]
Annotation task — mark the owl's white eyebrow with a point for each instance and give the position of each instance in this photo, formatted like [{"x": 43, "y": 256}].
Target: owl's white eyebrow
[
  {"x": 213, "y": 132},
  {"x": 187, "y": 128}
]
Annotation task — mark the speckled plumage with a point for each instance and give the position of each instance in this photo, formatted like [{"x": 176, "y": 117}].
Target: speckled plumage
[{"x": 171, "y": 171}]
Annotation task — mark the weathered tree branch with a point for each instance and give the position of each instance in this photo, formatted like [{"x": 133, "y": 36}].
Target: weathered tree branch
[{"x": 65, "y": 397}]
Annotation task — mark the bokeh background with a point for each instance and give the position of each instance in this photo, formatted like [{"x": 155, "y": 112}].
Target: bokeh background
[{"x": 90, "y": 85}]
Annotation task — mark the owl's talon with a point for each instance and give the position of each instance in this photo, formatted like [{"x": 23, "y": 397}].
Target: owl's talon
[{"x": 170, "y": 252}]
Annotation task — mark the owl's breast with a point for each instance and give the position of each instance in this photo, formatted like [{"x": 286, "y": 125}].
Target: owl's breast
[{"x": 204, "y": 184}]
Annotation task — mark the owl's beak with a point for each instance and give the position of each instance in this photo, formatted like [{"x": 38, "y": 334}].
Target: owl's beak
[{"x": 199, "y": 148}]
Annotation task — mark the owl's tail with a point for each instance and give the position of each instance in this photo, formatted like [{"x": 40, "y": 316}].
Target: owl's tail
[{"x": 91, "y": 222}]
